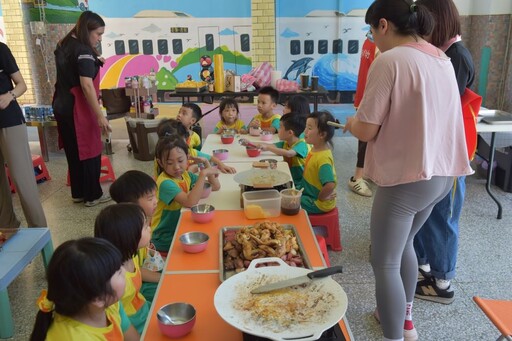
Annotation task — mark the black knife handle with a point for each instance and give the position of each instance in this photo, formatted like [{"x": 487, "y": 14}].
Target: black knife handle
[{"x": 326, "y": 272}]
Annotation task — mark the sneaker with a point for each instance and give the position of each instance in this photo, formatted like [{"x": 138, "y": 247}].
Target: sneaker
[
  {"x": 100, "y": 200},
  {"x": 409, "y": 334},
  {"x": 77, "y": 200},
  {"x": 423, "y": 274},
  {"x": 428, "y": 290},
  {"x": 360, "y": 186}
]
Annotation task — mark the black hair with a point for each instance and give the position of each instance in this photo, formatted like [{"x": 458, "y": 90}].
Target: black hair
[
  {"x": 273, "y": 93},
  {"x": 298, "y": 104},
  {"x": 121, "y": 224},
  {"x": 228, "y": 103},
  {"x": 408, "y": 17},
  {"x": 164, "y": 147},
  {"x": 171, "y": 127},
  {"x": 196, "y": 110},
  {"x": 78, "y": 273},
  {"x": 295, "y": 122},
  {"x": 447, "y": 20},
  {"x": 131, "y": 186},
  {"x": 87, "y": 22},
  {"x": 321, "y": 118}
]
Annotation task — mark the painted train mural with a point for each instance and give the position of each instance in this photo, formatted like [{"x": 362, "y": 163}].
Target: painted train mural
[{"x": 171, "y": 37}]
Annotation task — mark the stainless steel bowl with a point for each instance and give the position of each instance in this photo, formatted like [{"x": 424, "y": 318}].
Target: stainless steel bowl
[{"x": 202, "y": 208}]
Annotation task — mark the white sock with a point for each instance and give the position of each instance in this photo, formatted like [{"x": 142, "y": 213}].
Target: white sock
[
  {"x": 442, "y": 284},
  {"x": 425, "y": 267},
  {"x": 408, "y": 311},
  {"x": 386, "y": 339}
]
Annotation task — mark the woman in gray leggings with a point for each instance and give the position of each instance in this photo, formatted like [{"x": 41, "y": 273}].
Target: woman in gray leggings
[{"x": 410, "y": 115}]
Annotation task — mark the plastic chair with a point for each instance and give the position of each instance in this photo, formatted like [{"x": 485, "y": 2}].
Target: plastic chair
[
  {"x": 331, "y": 222},
  {"x": 37, "y": 161},
  {"x": 107, "y": 171},
  {"x": 500, "y": 314},
  {"x": 323, "y": 248}
]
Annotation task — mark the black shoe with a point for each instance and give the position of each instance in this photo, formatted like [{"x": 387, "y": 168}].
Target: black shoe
[
  {"x": 423, "y": 274},
  {"x": 428, "y": 290}
]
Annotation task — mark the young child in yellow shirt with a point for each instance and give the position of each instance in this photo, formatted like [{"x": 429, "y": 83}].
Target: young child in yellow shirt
[
  {"x": 266, "y": 119},
  {"x": 229, "y": 118}
]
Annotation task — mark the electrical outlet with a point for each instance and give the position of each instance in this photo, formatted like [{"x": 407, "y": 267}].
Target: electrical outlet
[{"x": 38, "y": 41}]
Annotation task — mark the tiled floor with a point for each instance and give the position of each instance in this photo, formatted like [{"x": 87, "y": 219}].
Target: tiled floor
[{"x": 484, "y": 266}]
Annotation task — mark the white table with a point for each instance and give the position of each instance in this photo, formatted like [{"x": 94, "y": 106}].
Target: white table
[
  {"x": 228, "y": 197},
  {"x": 237, "y": 152},
  {"x": 493, "y": 129}
]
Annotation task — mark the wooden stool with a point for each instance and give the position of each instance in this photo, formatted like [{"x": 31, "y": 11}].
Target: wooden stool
[
  {"x": 106, "y": 172},
  {"x": 500, "y": 314},
  {"x": 331, "y": 222},
  {"x": 323, "y": 247}
]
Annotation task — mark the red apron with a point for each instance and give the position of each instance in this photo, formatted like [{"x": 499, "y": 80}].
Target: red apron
[
  {"x": 88, "y": 132},
  {"x": 470, "y": 107}
]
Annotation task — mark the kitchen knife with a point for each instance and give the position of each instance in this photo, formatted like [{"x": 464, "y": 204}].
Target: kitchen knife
[{"x": 298, "y": 280}]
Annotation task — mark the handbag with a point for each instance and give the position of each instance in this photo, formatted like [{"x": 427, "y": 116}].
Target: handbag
[{"x": 154, "y": 260}]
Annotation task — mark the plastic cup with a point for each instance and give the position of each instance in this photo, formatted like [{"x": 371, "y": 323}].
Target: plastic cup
[
  {"x": 304, "y": 81},
  {"x": 290, "y": 201}
]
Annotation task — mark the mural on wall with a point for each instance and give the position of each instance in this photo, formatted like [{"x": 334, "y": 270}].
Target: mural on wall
[
  {"x": 321, "y": 38},
  {"x": 166, "y": 37}
]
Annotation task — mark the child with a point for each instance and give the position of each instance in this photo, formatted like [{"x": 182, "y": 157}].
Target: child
[
  {"x": 293, "y": 149},
  {"x": 267, "y": 102},
  {"x": 85, "y": 283},
  {"x": 174, "y": 128},
  {"x": 126, "y": 227},
  {"x": 300, "y": 105},
  {"x": 319, "y": 180},
  {"x": 229, "y": 117},
  {"x": 139, "y": 188},
  {"x": 177, "y": 188},
  {"x": 189, "y": 114}
]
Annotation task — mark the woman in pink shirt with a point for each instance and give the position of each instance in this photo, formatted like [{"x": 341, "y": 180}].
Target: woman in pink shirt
[{"x": 410, "y": 115}]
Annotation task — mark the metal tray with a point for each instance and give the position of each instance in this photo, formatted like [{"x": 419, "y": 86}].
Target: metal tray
[
  {"x": 225, "y": 274},
  {"x": 201, "y": 89}
]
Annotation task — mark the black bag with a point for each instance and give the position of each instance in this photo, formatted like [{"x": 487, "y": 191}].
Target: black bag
[{"x": 116, "y": 101}]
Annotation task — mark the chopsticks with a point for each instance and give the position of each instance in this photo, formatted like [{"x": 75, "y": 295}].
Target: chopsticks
[{"x": 335, "y": 124}]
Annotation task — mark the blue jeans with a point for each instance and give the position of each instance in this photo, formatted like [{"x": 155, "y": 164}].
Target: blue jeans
[{"x": 437, "y": 241}]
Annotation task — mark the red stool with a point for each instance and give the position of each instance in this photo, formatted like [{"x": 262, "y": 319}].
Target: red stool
[
  {"x": 106, "y": 172},
  {"x": 331, "y": 222},
  {"x": 323, "y": 247},
  {"x": 37, "y": 161},
  {"x": 11, "y": 185}
]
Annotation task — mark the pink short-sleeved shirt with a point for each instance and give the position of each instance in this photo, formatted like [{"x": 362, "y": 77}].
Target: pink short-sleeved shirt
[{"x": 412, "y": 93}]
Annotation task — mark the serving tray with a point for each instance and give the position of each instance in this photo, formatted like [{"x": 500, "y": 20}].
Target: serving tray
[{"x": 225, "y": 274}]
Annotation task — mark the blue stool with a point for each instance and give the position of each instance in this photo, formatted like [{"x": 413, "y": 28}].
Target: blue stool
[{"x": 15, "y": 255}]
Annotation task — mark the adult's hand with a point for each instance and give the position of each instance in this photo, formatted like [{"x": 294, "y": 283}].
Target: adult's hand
[
  {"x": 104, "y": 125},
  {"x": 5, "y": 99}
]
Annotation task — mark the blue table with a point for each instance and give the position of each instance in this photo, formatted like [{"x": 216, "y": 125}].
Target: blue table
[{"x": 15, "y": 255}]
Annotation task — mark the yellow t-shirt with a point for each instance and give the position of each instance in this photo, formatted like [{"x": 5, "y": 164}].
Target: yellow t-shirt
[
  {"x": 66, "y": 328},
  {"x": 319, "y": 170},
  {"x": 273, "y": 121},
  {"x": 194, "y": 140},
  {"x": 238, "y": 125}
]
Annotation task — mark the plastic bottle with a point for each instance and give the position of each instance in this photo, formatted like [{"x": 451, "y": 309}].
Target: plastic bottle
[{"x": 147, "y": 107}]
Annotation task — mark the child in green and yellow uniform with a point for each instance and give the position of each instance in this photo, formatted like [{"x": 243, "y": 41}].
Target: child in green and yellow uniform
[
  {"x": 319, "y": 179},
  {"x": 189, "y": 114},
  {"x": 229, "y": 118},
  {"x": 85, "y": 283},
  {"x": 266, "y": 119},
  {"x": 177, "y": 188},
  {"x": 293, "y": 149},
  {"x": 126, "y": 226}
]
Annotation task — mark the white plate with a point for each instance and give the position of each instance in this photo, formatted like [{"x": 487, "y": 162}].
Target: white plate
[{"x": 229, "y": 292}]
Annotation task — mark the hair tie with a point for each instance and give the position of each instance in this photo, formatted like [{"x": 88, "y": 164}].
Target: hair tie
[
  {"x": 44, "y": 304},
  {"x": 413, "y": 8}
]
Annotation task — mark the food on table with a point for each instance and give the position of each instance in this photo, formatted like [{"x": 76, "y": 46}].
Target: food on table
[
  {"x": 255, "y": 212},
  {"x": 285, "y": 308},
  {"x": 264, "y": 239},
  {"x": 191, "y": 84}
]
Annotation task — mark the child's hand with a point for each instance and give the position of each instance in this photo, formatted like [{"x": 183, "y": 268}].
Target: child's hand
[
  {"x": 262, "y": 146},
  {"x": 242, "y": 131},
  {"x": 209, "y": 171},
  {"x": 199, "y": 160},
  {"x": 226, "y": 169},
  {"x": 255, "y": 124}
]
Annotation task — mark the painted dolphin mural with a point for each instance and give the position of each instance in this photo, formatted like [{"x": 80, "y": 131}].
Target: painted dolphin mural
[{"x": 300, "y": 66}]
